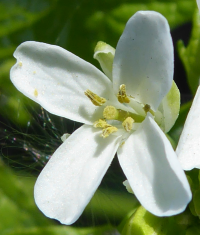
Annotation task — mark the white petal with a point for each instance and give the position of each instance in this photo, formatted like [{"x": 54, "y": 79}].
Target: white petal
[
  {"x": 72, "y": 175},
  {"x": 104, "y": 53},
  {"x": 198, "y": 4},
  {"x": 153, "y": 171},
  {"x": 144, "y": 58},
  {"x": 188, "y": 149},
  {"x": 57, "y": 79}
]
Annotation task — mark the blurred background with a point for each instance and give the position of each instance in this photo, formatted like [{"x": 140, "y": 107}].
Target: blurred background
[{"x": 29, "y": 134}]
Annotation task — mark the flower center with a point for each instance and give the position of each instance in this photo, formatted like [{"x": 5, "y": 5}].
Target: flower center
[{"x": 126, "y": 118}]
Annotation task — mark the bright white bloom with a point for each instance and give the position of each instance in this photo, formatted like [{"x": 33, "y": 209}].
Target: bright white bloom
[
  {"x": 118, "y": 115},
  {"x": 188, "y": 149}
]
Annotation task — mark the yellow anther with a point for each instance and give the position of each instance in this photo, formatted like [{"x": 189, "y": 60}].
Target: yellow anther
[
  {"x": 20, "y": 64},
  {"x": 96, "y": 100},
  {"x": 35, "y": 93},
  {"x": 122, "y": 96},
  {"x": 101, "y": 123},
  {"x": 108, "y": 130},
  {"x": 110, "y": 113},
  {"x": 128, "y": 123},
  {"x": 147, "y": 108}
]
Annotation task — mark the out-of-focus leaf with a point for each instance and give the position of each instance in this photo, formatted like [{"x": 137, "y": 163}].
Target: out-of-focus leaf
[
  {"x": 193, "y": 231},
  {"x": 64, "y": 230},
  {"x": 17, "y": 207},
  {"x": 177, "y": 12},
  {"x": 196, "y": 197},
  {"x": 190, "y": 55},
  {"x": 113, "y": 205},
  {"x": 5, "y": 52},
  {"x": 16, "y": 15},
  {"x": 144, "y": 223}
]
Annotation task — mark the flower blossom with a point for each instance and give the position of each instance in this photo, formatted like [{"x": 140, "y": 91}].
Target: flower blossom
[{"x": 122, "y": 110}]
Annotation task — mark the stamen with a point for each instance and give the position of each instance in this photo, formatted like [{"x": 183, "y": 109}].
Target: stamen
[
  {"x": 101, "y": 123},
  {"x": 108, "y": 130},
  {"x": 147, "y": 108},
  {"x": 128, "y": 123},
  {"x": 95, "y": 99},
  {"x": 122, "y": 96}
]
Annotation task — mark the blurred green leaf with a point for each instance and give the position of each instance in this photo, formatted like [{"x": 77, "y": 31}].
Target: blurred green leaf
[
  {"x": 15, "y": 15},
  {"x": 190, "y": 55},
  {"x": 144, "y": 223},
  {"x": 16, "y": 199},
  {"x": 113, "y": 205},
  {"x": 178, "y": 126},
  {"x": 64, "y": 230},
  {"x": 113, "y": 21},
  {"x": 193, "y": 230}
]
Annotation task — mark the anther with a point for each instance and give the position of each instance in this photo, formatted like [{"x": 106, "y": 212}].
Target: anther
[
  {"x": 128, "y": 123},
  {"x": 122, "y": 96},
  {"x": 147, "y": 108},
  {"x": 108, "y": 130},
  {"x": 95, "y": 99},
  {"x": 101, "y": 124}
]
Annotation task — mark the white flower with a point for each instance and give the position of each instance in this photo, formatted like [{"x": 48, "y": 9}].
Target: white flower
[
  {"x": 188, "y": 149},
  {"x": 67, "y": 86}
]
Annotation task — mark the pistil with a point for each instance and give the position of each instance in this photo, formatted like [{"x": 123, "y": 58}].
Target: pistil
[{"x": 111, "y": 113}]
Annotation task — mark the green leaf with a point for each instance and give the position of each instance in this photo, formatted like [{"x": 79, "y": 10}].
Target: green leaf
[
  {"x": 15, "y": 15},
  {"x": 17, "y": 207},
  {"x": 190, "y": 55},
  {"x": 195, "y": 230},
  {"x": 144, "y": 223},
  {"x": 63, "y": 230},
  {"x": 111, "y": 204},
  {"x": 177, "y": 12}
]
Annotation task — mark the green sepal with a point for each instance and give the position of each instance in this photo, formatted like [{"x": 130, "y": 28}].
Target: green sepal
[
  {"x": 169, "y": 108},
  {"x": 104, "y": 53}
]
